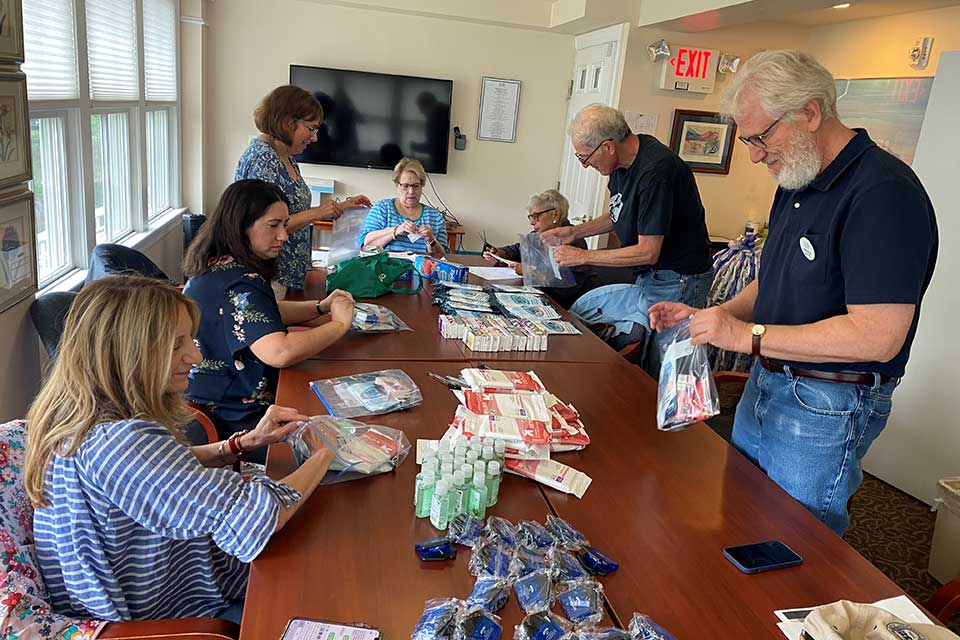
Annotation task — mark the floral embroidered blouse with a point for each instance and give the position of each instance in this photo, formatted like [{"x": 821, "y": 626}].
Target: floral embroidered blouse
[
  {"x": 237, "y": 308},
  {"x": 260, "y": 161}
]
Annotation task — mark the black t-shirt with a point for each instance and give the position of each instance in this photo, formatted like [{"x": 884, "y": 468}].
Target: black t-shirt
[
  {"x": 657, "y": 196},
  {"x": 863, "y": 232}
]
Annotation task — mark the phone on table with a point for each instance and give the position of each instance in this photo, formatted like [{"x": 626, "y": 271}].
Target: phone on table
[
  {"x": 762, "y": 556},
  {"x": 307, "y": 629}
]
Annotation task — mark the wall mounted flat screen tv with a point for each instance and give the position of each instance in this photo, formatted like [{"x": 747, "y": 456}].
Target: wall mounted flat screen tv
[{"x": 373, "y": 120}]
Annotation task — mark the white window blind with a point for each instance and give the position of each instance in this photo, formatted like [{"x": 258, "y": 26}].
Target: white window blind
[
  {"x": 51, "y": 201},
  {"x": 50, "y": 45},
  {"x": 158, "y": 162},
  {"x": 160, "y": 49},
  {"x": 112, "y": 49}
]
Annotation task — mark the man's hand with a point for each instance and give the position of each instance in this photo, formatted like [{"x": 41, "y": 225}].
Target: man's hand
[
  {"x": 567, "y": 256},
  {"x": 718, "y": 327},
  {"x": 666, "y": 315},
  {"x": 559, "y": 235}
]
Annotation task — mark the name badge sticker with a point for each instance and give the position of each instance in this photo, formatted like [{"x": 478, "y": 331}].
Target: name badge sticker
[{"x": 807, "y": 248}]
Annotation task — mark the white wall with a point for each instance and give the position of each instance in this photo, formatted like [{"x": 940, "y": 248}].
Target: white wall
[{"x": 487, "y": 186}]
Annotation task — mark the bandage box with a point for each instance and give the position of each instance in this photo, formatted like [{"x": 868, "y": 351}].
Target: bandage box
[{"x": 432, "y": 269}]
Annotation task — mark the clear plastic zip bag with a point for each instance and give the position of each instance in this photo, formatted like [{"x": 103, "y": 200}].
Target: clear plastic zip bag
[
  {"x": 540, "y": 268},
  {"x": 374, "y": 318},
  {"x": 687, "y": 393},
  {"x": 367, "y": 394},
  {"x": 359, "y": 449}
]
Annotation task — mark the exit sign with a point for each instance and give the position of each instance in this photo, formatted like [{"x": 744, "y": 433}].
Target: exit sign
[{"x": 690, "y": 69}]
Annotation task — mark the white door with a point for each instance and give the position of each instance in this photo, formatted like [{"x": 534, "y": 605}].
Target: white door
[
  {"x": 597, "y": 70},
  {"x": 921, "y": 442}
]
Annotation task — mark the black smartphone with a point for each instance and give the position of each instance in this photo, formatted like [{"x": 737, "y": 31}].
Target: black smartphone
[{"x": 762, "y": 556}]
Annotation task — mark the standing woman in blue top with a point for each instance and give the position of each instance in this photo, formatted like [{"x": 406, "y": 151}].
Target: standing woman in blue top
[
  {"x": 288, "y": 119},
  {"x": 243, "y": 329},
  {"x": 130, "y": 522},
  {"x": 392, "y": 221}
]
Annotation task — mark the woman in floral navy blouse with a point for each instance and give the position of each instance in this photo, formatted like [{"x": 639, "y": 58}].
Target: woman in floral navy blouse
[
  {"x": 243, "y": 329},
  {"x": 288, "y": 119}
]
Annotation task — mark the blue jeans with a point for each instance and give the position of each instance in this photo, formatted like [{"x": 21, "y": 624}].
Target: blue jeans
[
  {"x": 809, "y": 436},
  {"x": 623, "y": 305}
]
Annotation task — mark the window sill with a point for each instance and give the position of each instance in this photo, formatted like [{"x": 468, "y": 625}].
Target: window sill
[{"x": 159, "y": 227}]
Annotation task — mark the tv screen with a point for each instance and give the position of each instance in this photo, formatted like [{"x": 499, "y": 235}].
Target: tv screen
[{"x": 374, "y": 119}]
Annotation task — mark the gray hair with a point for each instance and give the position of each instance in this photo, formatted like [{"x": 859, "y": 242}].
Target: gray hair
[
  {"x": 597, "y": 122},
  {"x": 412, "y": 165},
  {"x": 783, "y": 81},
  {"x": 549, "y": 199}
]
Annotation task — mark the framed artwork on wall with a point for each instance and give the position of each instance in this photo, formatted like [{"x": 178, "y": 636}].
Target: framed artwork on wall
[
  {"x": 15, "y": 164},
  {"x": 18, "y": 263},
  {"x": 703, "y": 140},
  {"x": 11, "y": 31}
]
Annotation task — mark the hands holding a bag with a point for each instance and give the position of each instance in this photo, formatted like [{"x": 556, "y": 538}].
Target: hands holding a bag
[{"x": 714, "y": 325}]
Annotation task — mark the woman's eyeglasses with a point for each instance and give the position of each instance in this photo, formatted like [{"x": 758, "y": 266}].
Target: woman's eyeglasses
[
  {"x": 312, "y": 128},
  {"x": 410, "y": 187},
  {"x": 533, "y": 216}
]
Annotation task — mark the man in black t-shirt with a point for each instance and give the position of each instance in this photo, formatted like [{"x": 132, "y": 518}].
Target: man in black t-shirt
[
  {"x": 656, "y": 212},
  {"x": 833, "y": 312}
]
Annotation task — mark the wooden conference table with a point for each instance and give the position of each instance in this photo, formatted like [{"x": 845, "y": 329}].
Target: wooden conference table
[{"x": 662, "y": 504}]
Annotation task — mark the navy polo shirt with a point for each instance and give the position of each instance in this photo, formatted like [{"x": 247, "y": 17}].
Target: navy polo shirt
[{"x": 863, "y": 232}]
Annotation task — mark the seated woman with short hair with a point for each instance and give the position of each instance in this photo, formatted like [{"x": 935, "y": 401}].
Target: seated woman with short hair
[
  {"x": 403, "y": 223},
  {"x": 130, "y": 522},
  {"x": 243, "y": 329}
]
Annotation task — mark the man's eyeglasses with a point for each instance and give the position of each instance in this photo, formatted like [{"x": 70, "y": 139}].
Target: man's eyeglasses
[
  {"x": 533, "y": 216},
  {"x": 410, "y": 187},
  {"x": 312, "y": 128},
  {"x": 760, "y": 140},
  {"x": 584, "y": 159}
]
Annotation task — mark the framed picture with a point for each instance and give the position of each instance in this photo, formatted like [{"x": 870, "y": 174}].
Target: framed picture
[
  {"x": 15, "y": 164},
  {"x": 703, "y": 140},
  {"x": 499, "y": 108},
  {"x": 18, "y": 263},
  {"x": 11, "y": 31}
]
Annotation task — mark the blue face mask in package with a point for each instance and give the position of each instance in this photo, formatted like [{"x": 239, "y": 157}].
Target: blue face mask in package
[
  {"x": 534, "y": 591},
  {"x": 582, "y": 601},
  {"x": 491, "y": 558},
  {"x": 566, "y": 567},
  {"x": 565, "y": 533},
  {"x": 596, "y": 562},
  {"x": 527, "y": 561},
  {"x": 605, "y": 633},
  {"x": 465, "y": 529},
  {"x": 542, "y": 626},
  {"x": 477, "y": 624},
  {"x": 644, "y": 628},
  {"x": 439, "y": 549},
  {"x": 502, "y": 529},
  {"x": 490, "y": 594},
  {"x": 438, "y": 619},
  {"x": 534, "y": 535}
]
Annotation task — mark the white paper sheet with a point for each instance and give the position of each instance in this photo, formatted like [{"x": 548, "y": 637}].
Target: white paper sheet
[
  {"x": 641, "y": 122},
  {"x": 494, "y": 273}
]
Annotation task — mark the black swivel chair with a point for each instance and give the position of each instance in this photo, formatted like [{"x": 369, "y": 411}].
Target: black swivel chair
[
  {"x": 116, "y": 259},
  {"x": 49, "y": 312}
]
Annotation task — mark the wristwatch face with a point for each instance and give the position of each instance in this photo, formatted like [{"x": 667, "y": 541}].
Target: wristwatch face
[{"x": 758, "y": 330}]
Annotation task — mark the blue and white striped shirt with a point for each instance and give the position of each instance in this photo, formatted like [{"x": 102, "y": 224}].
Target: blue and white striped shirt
[
  {"x": 138, "y": 529},
  {"x": 384, "y": 215}
]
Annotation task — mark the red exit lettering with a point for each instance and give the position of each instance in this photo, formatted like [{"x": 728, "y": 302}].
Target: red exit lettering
[{"x": 691, "y": 63}]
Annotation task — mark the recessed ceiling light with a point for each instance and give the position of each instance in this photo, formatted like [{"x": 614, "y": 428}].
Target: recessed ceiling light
[{"x": 845, "y": 5}]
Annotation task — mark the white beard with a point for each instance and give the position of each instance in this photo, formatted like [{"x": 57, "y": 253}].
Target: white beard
[{"x": 800, "y": 162}]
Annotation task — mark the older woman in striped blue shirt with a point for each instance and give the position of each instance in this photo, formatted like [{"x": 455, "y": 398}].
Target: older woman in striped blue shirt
[
  {"x": 404, "y": 223},
  {"x": 130, "y": 523}
]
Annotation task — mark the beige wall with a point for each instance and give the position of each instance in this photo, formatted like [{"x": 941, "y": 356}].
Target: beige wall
[
  {"x": 20, "y": 351},
  {"x": 746, "y": 192},
  {"x": 250, "y": 51}
]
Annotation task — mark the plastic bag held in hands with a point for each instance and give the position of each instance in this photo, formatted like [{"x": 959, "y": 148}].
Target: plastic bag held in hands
[
  {"x": 357, "y": 448},
  {"x": 687, "y": 393}
]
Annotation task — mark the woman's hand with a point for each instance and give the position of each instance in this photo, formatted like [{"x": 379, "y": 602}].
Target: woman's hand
[
  {"x": 488, "y": 255},
  {"x": 518, "y": 268},
  {"x": 274, "y": 426},
  {"x": 427, "y": 232},
  {"x": 341, "y": 310},
  {"x": 325, "y": 304},
  {"x": 355, "y": 202},
  {"x": 406, "y": 227},
  {"x": 329, "y": 210}
]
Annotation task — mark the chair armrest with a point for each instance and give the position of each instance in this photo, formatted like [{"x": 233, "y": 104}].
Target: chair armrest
[
  {"x": 179, "y": 629},
  {"x": 946, "y": 601},
  {"x": 205, "y": 422}
]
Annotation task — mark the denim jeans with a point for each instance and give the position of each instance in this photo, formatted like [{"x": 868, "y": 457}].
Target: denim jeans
[
  {"x": 622, "y": 305},
  {"x": 809, "y": 436}
]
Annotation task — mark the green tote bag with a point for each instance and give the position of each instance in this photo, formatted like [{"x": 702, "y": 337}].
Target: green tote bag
[{"x": 373, "y": 276}]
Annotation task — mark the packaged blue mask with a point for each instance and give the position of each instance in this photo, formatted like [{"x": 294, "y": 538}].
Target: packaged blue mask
[
  {"x": 490, "y": 594},
  {"x": 596, "y": 562},
  {"x": 605, "y": 633},
  {"x": 491, "y": 558},
  {"x": 439, "y": 549},
  {"x": 534, "y": 591},
  {"x": 477, "y": 624},
  {"x": 438, "y": 619},
  {"x": 465, "y": 529},
  {"x": 566, "y": 567},
  {"x": 527, "y": 561},
  {"x": 502, "y": 529},
  {"x": 533, "y": 535},
  {"x": 565, "y": 533},
  {"x": 541, "y": 626},
  {"x": 582, "y": 602},
  {"x": 644, "y": 628}
]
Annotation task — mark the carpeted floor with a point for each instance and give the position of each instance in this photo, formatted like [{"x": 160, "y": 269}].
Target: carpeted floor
[{"x": 889, "y": 528}]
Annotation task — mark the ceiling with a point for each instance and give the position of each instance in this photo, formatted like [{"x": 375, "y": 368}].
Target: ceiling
[{"x": 864, "y": 9}]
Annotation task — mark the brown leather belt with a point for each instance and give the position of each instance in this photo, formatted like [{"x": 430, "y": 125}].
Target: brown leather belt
[{"x": 829, "y": 376}]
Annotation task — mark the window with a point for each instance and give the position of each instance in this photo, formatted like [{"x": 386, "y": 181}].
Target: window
[{"x": 104, "y": 107}]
